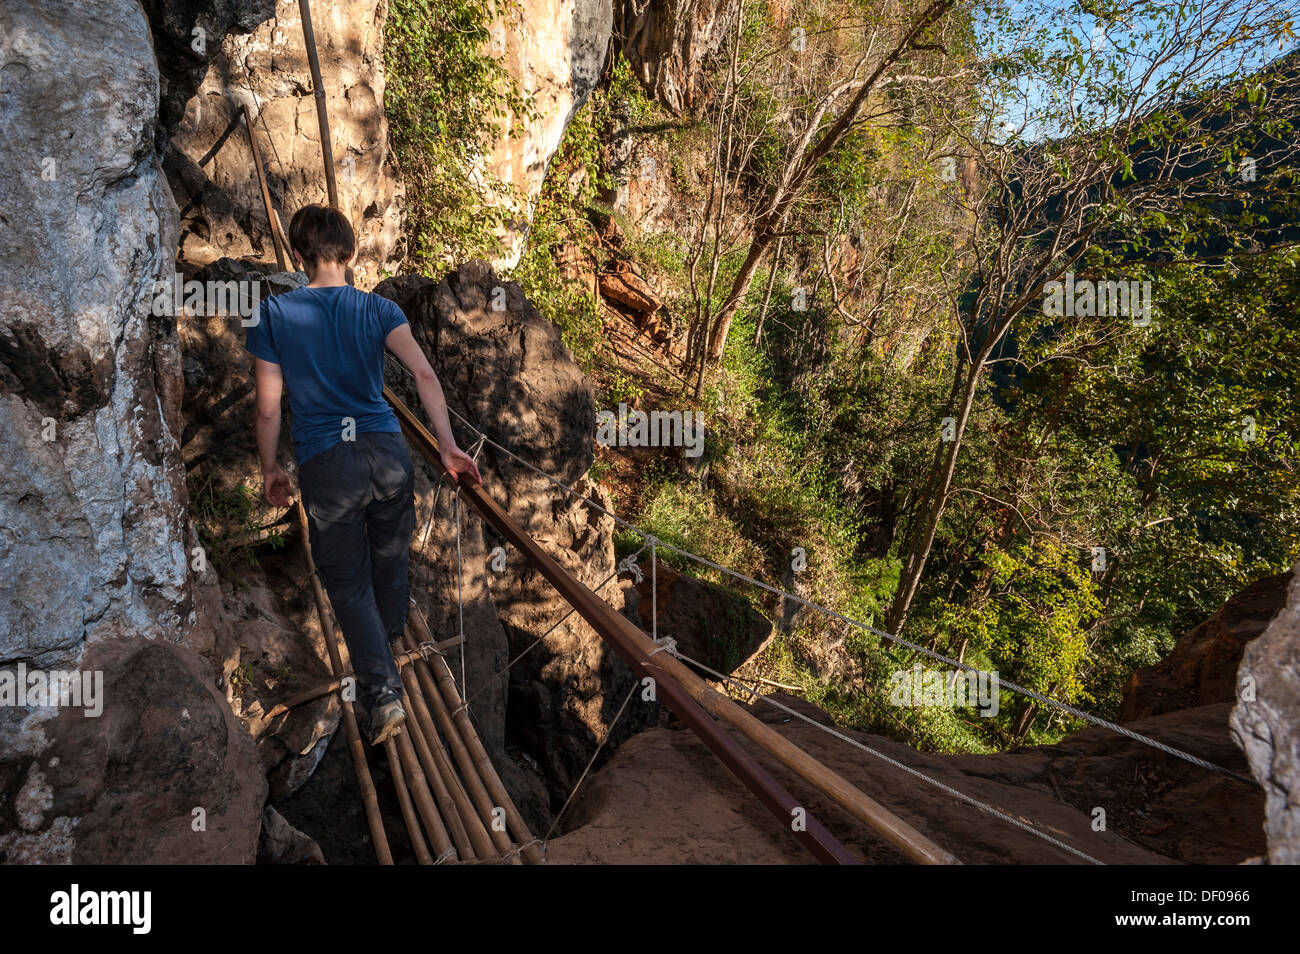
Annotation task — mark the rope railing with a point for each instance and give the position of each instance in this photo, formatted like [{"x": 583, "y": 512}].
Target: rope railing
[
  {"x": 693, "y": 700},
  {"x": 655, "y": 543}
]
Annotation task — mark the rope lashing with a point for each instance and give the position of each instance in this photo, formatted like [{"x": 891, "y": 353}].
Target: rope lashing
[
  {"x": 666, "y": 643},
  {"x": 628, "y": 565}
]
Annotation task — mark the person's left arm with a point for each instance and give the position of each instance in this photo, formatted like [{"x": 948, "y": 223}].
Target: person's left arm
[{"x": 270, "y": 388}]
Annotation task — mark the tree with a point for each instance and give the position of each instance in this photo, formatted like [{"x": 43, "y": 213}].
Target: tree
[
  {"x": 1148, "y": 125},
  {"x": 832, "y": 81}
]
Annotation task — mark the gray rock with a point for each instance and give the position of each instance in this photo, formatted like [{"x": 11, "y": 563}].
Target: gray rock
[
  {"x": 91, "y": 488},
  {"x": 282, "y": 844},
  {"x": 164, "y": 775},
  {"x": 1264, "y": 724}
]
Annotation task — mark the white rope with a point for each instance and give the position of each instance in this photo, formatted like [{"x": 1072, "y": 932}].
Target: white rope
[
  {"x": 628, "y": 564},
  {"x": 654, "y": 587},
  {"x": 1038, "y": 696},
  {"x": 448, "y": 854},
  {"x": 667, "y": 643}
]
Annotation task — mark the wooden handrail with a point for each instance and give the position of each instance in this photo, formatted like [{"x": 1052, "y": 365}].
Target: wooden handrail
[
  {"x": 693, "y": 699},
  {"x": 640, "y": 653}
]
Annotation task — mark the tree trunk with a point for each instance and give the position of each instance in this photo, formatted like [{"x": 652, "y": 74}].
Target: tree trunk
[
  {"x": 938, "y": 488},
  {"x": 739, "y": 288},
  {"x": 767, "y": 296}
]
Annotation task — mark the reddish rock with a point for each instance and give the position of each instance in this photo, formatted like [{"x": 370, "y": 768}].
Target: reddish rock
[{"x": 1202, "y": 668}]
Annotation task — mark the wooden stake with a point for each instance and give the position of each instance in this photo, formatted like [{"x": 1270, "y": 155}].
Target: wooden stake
[
  {"x": 369, "y": 798},
  {"x": 318, "y": 89},
  {"x": 271, "y": 217}
]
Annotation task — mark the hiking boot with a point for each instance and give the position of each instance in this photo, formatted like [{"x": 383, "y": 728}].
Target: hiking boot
[{"x": 386, "y": 718}]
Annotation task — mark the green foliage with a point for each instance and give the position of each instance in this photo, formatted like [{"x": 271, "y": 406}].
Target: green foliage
[
  {"x": 574, "y": 181},
  {"x": 1035, "y": 622},
  {"x": 228, "y": 522},
  {"x": 446, "y": 97},
  {"x": 622, "y": 389}
]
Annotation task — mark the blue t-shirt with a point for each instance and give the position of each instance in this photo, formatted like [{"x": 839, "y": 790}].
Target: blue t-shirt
[{"x": 329, "y": 344}]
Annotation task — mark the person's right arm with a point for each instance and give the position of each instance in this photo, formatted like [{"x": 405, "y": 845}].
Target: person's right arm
[{"x": 459, "y": 465}]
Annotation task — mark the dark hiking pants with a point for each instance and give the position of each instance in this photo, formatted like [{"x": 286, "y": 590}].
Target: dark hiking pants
[{"x": 360, "y": 505}]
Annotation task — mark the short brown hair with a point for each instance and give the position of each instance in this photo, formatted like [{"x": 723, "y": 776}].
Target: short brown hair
[{"x": 321, "y": 234}]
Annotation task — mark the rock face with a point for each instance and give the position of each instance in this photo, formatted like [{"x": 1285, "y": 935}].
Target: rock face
[
  {"x": 91, "y": 490},
  {"x": 93, "y": 499},
  {"x": 209, "y": 161},
  {"x": 669, "y": 42},
  {"x": 508, "y": 373},
  {"x": 554, "y": 50},
  {"x": 186, "y": 36},
  {"x": 1264, "y": 724},
  {"x": 1202, "y": 668}
]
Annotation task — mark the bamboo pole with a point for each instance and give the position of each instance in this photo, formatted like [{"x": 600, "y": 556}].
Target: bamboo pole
[
  {"x": 284, "y": 238},
  {"x": 646, "y": 658},
  {"x": 369, "y": 798},
  {"x": 266, "y": 193},
  {"x": 404, "y": 800},
  {"x": 318, "y": 88},
  {"x": 481, "y": 767},
  {"x": 423, "y": 799},
  {"x": 478, "y": 791},
  {"x": 456, "y": 807},
  {"x": 438, "y": 786}
]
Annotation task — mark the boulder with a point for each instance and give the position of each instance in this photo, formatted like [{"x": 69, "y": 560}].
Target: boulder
[
  {"x": 164, "y": 774},
  {"x": 282, "y": 844},
  {"x": 1201, "y": 670},
  {"x": 622, "y": 284},
  {"x": 504, "y": 368},
  {"x": 1264, "y": 723}
]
